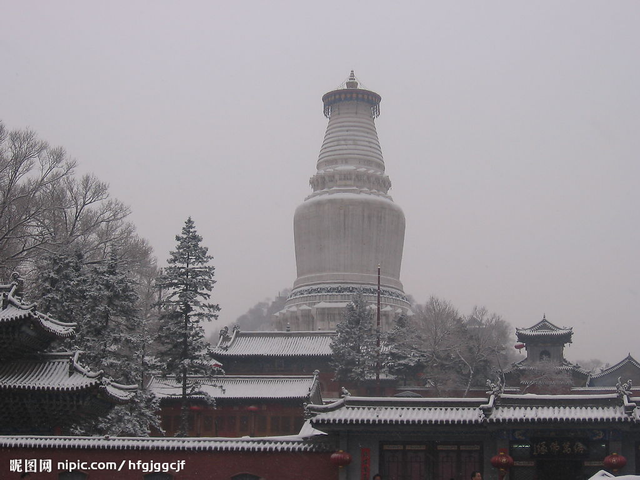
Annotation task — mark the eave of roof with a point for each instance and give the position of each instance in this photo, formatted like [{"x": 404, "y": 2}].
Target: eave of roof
[
  {"x": 267, "y": 444},
  {"x": 13, "y": 310},
  {"x": 544, "y": 328},
  {"x": 275, "y": 344},
  {"x": 59, "y": 372},
  {"x": 500, "y": 409},
  {"x": 243, "y": 387}
]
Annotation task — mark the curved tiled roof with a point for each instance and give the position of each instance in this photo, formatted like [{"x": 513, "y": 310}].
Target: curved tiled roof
[
  {"x": 627, "y": 360},
  {"x": 398, "y": 411},
  {"x": 544, "y": 329},
  {"x": 57, "y": 372},
  {"x": 553, "y": 414},
  {"x": 502, "y": 408},
  {"x": 402, "y": 416},
  {"x": 266, "y": 444},
  {"x": 23, "y": 330},
  {"x": 227, "y": 387},
  {"x": 275, "y": 344}
]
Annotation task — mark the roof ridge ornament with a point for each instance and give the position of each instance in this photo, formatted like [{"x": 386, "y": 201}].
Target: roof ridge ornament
[
  {"x": 495, "y": 388},
  {"x": 623, "y": 388}
]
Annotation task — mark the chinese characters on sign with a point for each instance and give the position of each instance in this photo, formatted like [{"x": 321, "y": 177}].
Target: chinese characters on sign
[
  {"x": 559, "y": 447},
  {"x": 365, "y": 463}
]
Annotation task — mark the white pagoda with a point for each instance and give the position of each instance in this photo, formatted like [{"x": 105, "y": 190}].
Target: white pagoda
[{"x": 349, "y": 225}]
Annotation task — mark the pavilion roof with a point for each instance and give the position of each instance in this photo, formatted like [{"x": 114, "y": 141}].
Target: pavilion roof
[
  {"x": 274, "y": 344},
  {"x": 59, "y": 372},
  {"x": 50, "y": 390},
  {"x": 544, "y": 330},
  {"x": 24, "y": 330}
]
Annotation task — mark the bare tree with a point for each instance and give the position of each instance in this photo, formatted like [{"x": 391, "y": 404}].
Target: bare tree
[
  {"x": 450, "y": 352},
  {"x": 438, "y": 331},
  {"x": 29, "y": 168},
  {"x": 485, "y": 349}
]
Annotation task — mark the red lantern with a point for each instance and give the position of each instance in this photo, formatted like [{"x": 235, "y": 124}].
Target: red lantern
[
  {"x": 614, "y": 462},
  {"x": 196, "y": 408},
  {"x": 253, "y": 408},
  {"x": 340, "y": 458},
  {"x": 503, "y": 462}
]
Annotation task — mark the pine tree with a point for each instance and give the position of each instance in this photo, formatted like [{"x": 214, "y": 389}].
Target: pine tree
[
  {"x": 61, "y": 288},
  {"x": 101, "y": 299},
  {"x": 354, "y": 351},
  {"x": 186, "y": 284},
  {"x": 403, "y": 360}
]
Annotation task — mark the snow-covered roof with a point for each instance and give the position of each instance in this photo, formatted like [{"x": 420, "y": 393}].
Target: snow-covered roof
[
  {"x": 544, "y": 329},
  {"x": 58, "y": 372},
  {"x": 15, "y": 316},
  {"x": 398, "y": 411},
  {"x": 243, "y": 387},
  {"x": 566, "y": 366},
  {"x": 629, "y": 360},
  {"x": 502, "y": 408},
  {"x": 275, "y": 344},
  {"x": 293, "y": 443},
  {"x": 565, "y": 414}
]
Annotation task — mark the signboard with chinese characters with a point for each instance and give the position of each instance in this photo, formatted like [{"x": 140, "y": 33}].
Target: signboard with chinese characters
[
  {"x": 365, "y": 463},
  {"x": 559, "y": 447}
]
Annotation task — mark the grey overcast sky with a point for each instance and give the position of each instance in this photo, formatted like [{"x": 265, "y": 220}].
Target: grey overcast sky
[{"x": 510, "y": 131}]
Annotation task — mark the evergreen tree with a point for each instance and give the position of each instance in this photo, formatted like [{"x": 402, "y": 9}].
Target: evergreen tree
[
  {"x": 102, "y": 300},
  {"x": 403, "y": 360},
  {"x": 62, "y": 287},
  {"x": 186, "y": 284},
  {"x": 354, "y": 351}
]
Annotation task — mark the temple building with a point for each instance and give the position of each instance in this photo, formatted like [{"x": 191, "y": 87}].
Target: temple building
[
  {"x": 245, "y": 405},
  {"x": 349, "y": 225},
  {"x": 545, "y": 368},
  {"x": 42, "y": 392},
  {"x": 279, "y": 353}
]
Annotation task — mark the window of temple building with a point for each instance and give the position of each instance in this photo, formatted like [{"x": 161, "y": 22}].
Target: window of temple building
[
  {"x": 275, "y": 424},
  {"x": 208, "y": 423},
  {"x": 244, "y": 424},
  {"x": 231, "y": 423},
  {"x": 430, "y": 460},
  {"x": 261, "y": 424},
  {"x": 219, "y": 424},
  {"x": 545, "y": 356}
]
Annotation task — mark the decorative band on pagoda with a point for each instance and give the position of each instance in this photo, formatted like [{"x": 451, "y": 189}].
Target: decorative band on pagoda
[
  {"x": 346, "y": 290},
  {"x": 351, "y": 95}
]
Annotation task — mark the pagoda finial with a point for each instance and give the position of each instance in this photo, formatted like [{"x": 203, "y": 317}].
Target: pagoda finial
[
  {"x": 352, "y": 82},
  {"x": 544, "y": 316}
]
